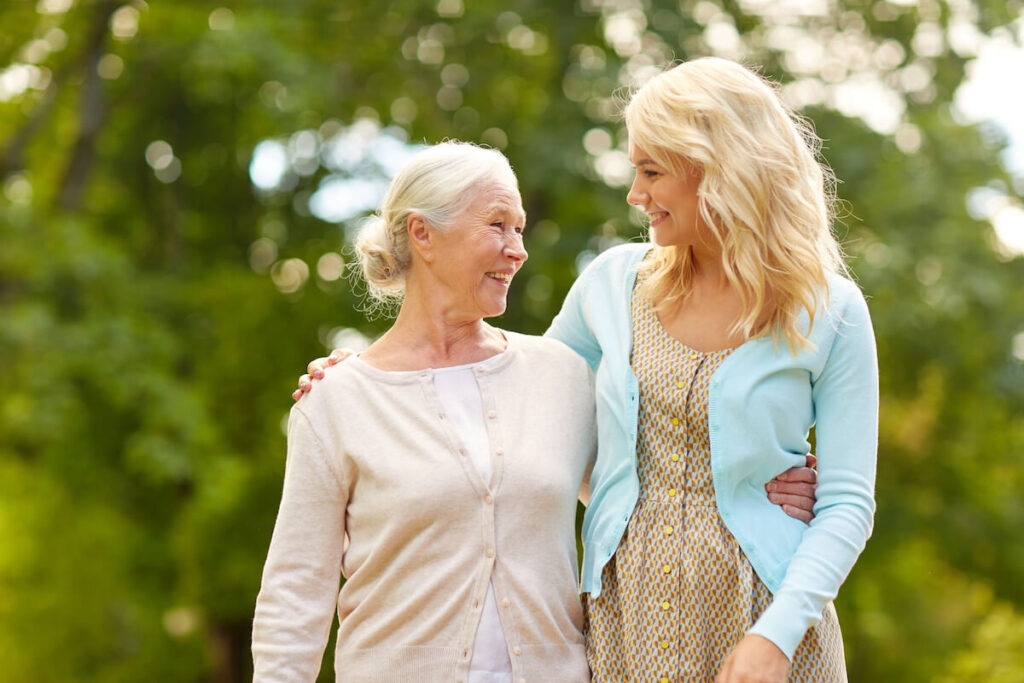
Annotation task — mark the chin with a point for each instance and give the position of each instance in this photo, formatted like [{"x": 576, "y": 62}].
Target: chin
[
  {"x": 496, "y": 310},
  {"x": 658, "y": 237}
]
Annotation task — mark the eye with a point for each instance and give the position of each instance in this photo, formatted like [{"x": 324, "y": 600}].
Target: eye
[
  {"x": 498, "y": 224},
  {"x": 520, "y": 229},
  {"x": 651, "y": 174}
]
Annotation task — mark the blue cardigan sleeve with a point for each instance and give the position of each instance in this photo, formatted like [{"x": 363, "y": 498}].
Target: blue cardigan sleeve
[
  {"x": 845, "y": 397},
  {"x": 570, "y": 325}
]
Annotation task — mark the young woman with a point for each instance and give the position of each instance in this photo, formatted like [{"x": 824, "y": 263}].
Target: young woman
[{"x": 717, "y": 349}]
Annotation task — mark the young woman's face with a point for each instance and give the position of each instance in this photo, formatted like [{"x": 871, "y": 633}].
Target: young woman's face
[
  {"x": 479, "y": 255},
  {"x": 669, "y": 200}
]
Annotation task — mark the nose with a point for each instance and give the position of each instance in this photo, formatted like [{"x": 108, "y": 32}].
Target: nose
[
  {"x": 636, "y": 196},
  {"x": 515, "y": 251}
]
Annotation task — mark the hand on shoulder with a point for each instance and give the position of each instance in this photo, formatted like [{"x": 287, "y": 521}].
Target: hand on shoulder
[{"x": 315, "y": 370}]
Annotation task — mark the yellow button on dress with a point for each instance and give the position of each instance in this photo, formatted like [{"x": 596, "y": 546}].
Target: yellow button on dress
[{"x": 631, "y": 635}]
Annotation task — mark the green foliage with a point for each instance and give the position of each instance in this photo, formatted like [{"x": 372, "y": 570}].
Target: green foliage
[
  {"x": 155, "y": 311},
  {"x": 995, "y": 651}
]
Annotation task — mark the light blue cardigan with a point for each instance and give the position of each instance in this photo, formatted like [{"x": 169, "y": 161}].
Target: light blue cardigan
[{"x": 763, "y": 402}]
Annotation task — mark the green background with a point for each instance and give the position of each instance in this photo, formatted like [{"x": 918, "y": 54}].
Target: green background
[{"x": 155, "y": 310}]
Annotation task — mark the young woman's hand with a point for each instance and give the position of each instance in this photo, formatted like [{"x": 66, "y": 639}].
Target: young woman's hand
[
  {"x": 315, "y": 370},
  {"x": 794, "y": 490},
  {"x": 754, "y": 660}
]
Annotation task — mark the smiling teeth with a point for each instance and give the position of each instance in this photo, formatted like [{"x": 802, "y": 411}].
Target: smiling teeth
[{"x": 504, "y": 277}]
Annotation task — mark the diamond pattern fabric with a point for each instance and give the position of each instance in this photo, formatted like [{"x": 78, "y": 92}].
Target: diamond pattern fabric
[{"x": 679, "y": 593}]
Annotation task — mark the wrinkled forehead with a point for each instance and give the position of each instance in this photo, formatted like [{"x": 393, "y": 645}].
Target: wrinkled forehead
[{"x": 498, "y": 198}]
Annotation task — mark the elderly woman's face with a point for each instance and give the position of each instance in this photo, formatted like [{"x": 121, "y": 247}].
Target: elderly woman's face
[{"x": 479, "y": 255}]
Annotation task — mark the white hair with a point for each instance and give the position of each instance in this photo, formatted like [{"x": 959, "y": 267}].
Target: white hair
[{"x": 438, "y": 183}]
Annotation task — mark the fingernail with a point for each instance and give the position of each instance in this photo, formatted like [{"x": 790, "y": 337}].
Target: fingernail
[
  {"x": 318, "y": 373},
  {"x": 334, "y": 358}
]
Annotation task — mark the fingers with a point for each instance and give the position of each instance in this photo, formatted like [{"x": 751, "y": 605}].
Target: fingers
[
  {"x": 812, "y": 460},
  {"x": 315, "y": 369},
  {"x": 803, "y": 502},
  {"x": 724, "y": 672},
  {"x": 792, "y": 488},
  {"x": 804, "y": 516},
  {"x": 804, "y": 474},
  {"x": 338, "y": 355}
]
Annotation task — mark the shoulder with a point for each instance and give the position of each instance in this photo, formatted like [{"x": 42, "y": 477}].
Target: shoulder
[
  {"x": 621, "y": 256},
  {"x": 841, "y": 288},
  {"x": 846, "y": 300},
  {"x": 846, "y": 323},
  {"x": 339, "y": 381},
  {"x": 549, "y": 354},
  {"x": 608, "y": 269}
]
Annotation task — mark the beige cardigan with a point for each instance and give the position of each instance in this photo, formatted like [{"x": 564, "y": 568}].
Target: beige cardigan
[{"x": 371, "y": 455}]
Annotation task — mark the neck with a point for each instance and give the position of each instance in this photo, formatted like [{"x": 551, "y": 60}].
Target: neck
[
  {"x": 708, "y": 273},
  {"x": 431, "y": 334}
]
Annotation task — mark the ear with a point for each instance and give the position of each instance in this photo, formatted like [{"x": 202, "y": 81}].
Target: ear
[{"x": 420, "y": 236}]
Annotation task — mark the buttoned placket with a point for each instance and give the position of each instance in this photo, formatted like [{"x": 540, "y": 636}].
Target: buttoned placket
[
  {"x": 496, "y": 442},
  {"x": 676, "y": 496},
  {"x": 487, "y": 499}
]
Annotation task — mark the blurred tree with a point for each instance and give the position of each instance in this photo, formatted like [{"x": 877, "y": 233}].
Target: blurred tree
[{"x": 180, "y": 182}]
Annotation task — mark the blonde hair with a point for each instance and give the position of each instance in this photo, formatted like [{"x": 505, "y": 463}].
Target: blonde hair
[
  {"x": 763, "y": 194},
  {"x": 437, "y": 183}
]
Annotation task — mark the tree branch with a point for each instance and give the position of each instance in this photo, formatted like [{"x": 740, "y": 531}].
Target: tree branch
[{"x": 91, "y": 112}]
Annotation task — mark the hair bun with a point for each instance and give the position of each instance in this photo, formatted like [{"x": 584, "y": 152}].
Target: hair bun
[{"x": 375, "y": 250}]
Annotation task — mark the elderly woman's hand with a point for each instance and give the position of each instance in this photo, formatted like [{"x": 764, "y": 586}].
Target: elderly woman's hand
[
  {"x": 315, "y": 370},
  {"x": 794, "y": 490}
]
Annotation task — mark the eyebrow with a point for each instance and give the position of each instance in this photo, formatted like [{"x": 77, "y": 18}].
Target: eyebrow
[{"x": 501, "y": 207}]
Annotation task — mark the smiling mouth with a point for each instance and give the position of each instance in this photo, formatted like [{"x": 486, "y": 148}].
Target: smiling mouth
[
  {"x": 504, "y": 278},
  {"x": 656, "y": 217}
]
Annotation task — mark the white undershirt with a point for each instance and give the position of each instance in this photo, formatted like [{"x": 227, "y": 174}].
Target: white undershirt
[{"x": 460, "y": 397}]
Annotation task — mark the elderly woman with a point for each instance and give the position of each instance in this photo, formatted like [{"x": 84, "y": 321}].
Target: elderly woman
[
  {"x": 449, "y": 456},
  {"x": 439, "y": 470}
]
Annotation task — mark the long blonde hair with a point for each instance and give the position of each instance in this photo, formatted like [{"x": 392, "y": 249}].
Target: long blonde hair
[{"x": 762, "y": 193}]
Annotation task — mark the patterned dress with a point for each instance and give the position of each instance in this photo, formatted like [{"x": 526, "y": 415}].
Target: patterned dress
[{"x": 679, "y": 593}]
